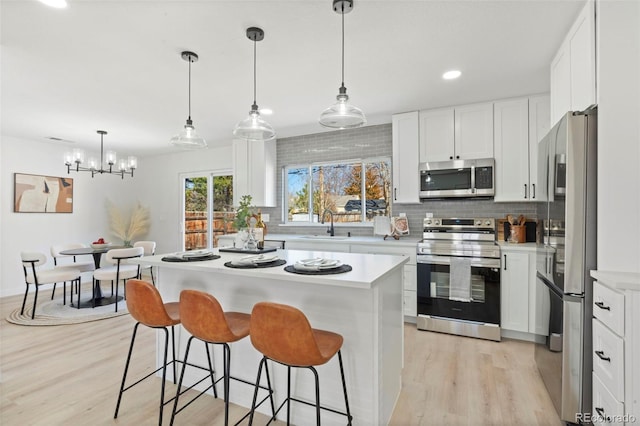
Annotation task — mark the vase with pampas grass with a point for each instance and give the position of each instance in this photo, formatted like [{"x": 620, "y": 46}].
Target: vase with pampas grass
[{"x": 127, "y": 230}]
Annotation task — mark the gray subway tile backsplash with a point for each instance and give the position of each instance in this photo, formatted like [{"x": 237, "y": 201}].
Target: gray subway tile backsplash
[{"x": 366, "y": 142}]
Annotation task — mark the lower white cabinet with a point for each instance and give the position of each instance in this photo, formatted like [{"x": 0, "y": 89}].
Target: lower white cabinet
[
  {"x": 409, "y": 275},
  {"x": 616, "y": 345},
  {"x": 514, "y": 291},
  {"x": 522, "y": 301}
]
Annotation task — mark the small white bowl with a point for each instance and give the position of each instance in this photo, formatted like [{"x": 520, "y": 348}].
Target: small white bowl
[{"x": 100, "y": 246}]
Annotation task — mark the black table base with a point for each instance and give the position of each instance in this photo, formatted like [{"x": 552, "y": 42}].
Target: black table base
[{"x": 102, "y": 301}]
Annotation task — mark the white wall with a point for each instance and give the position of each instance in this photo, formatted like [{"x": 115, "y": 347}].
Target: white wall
[
  {"x": 156, "y": 185},
  {"x": 618, "y": 135},
  {"x": 159, "y": 178}
]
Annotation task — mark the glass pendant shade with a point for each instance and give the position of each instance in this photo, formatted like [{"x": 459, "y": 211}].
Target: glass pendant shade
[
  {"x": 254, "y": 128},
  {"x": 188, "y": 138},
  {"x": 342, "y": 114}
]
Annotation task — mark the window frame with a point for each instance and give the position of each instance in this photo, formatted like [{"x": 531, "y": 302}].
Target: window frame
[{"x": 310, "y": 167}]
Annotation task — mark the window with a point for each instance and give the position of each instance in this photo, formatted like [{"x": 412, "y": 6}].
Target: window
[{"x": 354, "y": 191}]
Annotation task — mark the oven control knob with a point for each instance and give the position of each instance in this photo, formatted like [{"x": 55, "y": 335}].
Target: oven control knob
[
  {"x": 488, "y": 223},
  {"x": 428, "y": 221},
  {"x": 478, "y": 223},
  {"x": 436, "y": 222}
]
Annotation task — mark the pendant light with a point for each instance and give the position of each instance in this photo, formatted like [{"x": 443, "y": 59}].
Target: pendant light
[
  {"x": 189, "y": 138},
  {"x": 254, "y": 128},
  {"x": 342, "y": 115}
]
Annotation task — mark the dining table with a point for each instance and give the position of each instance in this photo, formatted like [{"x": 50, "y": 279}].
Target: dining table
[{"x": 100, "y": 299}]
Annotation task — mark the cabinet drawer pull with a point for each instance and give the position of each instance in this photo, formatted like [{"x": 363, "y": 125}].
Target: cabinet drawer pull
[
  {"x": 533, "y": 185},
  {"x": 603, "y": 306},
  {"x": 602, "y": 357},
  {"x": 505, "y": 262},
  {"x": 525, "y": 191},
  {"x": 604, "y": 417}
]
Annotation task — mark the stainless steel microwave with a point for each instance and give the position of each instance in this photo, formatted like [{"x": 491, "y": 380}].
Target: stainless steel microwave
[{"x": 457, "y": 178}]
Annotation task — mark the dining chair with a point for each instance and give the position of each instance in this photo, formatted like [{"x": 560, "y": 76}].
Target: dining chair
[
  {"x": 149, "y": 250},
  {"x": 33, "y": 274},
  {"x": 113, "y": 268},
  {"x": 65, "y": 261}
]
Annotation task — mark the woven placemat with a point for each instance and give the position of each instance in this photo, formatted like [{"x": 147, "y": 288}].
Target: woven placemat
[
  {"x": 328, "y": 271},
  {"x": 278, "y": 262},
  {"x": 191, "y": 259}
]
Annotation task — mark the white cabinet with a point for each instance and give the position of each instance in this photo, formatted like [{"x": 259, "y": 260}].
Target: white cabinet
[
  {"x": 573, "y": 69},
  {"x": 254, "y": 172},
  {"x": 524, "y": 305},
  {"x": 511, "y": 132},
  {"x": 474, "y": 131},
  {"x": 405, "y": 174},
  {"x": 461, "y": 133},
  {"x": 514, "y": 293},
  {"x": 437, "y": 134},
  {"x": 519, "y": 124},
  {"x": 410, "y": 271},
  {"x": 616, "y": 344}
]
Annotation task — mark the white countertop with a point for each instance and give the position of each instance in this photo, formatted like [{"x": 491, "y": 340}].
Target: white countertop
[
  {"x": 405, "y": 241},
  {"x": 618, "y": 280},
  {"x": 367, "y": 269},
  {"x": 517, "y": 246}
]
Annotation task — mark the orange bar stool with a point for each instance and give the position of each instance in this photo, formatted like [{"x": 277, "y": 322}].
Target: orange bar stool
[
  {"x": 147, "y": 308},
  {"x": 283, "y": 334},
  {"x": 203, "y": 317}
]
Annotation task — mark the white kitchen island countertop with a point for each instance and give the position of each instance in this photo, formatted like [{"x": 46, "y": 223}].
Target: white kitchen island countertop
[{"x": 364, "y": 305}]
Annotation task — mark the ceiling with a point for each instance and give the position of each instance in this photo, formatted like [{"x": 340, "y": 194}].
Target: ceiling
[{"x": 115, "y": 65}]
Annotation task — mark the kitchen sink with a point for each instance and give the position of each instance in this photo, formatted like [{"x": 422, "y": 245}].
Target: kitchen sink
[{"x": 323, "y": 237}]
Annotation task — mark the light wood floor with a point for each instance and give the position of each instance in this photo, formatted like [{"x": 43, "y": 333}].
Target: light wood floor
[{"x": 70, "y": 375}]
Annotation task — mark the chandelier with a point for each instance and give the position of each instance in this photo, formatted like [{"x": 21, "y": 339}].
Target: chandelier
[{"x": 123, "y": 167}]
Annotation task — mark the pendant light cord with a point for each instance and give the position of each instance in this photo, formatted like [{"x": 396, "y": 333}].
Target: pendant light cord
[
  {"x": 342, "y": 6},
  {"x": 254, "y": 71},
  {"x": 190, "y": 60}
]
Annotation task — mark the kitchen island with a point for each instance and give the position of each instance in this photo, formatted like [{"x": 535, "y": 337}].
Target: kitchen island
[{"x": 363, "y": 305}]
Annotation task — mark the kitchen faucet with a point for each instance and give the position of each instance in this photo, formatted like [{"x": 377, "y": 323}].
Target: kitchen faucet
[{"x": 330, "y": 231}]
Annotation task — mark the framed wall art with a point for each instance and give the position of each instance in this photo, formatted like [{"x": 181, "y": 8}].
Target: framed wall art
[{"x": 42, "y": 194}]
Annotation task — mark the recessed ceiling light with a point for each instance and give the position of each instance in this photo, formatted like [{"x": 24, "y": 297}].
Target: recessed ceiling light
[
  {"x": 266, "y": 111},
  {"x": 450, "y": 75},
  {"x": 58, "y": 4}
]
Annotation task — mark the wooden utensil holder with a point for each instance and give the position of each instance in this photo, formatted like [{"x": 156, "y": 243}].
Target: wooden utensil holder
[{"x": 518, "y": 233}]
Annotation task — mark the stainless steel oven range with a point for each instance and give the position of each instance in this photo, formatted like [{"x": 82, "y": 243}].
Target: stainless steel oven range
[{"x": 459, "y": 277}]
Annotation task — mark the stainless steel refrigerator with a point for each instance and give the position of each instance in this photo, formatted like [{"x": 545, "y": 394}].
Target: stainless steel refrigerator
[{"x": 567, "y": 167}]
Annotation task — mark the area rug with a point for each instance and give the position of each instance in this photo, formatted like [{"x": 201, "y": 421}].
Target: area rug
[{"x": 53, "y": 312}]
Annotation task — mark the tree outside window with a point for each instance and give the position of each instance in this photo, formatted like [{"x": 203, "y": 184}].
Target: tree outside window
[{"x": 355, "y": 191}]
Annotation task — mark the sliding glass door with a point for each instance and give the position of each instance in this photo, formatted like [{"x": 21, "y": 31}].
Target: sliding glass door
[{"x": 207, "y": 208}]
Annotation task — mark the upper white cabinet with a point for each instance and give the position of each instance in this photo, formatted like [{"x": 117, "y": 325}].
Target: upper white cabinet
[
  {"x": 573, "y": 69},
  {"x": 519, "y": 124},
  {"x": 463, "y": 132},
  {"x": 254, "y": 172},
  {"x": 405, "y": 138},
  {"x": 474, "y": 131},
  {"x": 437, "y": 134}
]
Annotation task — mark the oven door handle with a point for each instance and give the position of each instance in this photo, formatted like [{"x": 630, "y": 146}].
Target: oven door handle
[{"x": 446, "y": 260}]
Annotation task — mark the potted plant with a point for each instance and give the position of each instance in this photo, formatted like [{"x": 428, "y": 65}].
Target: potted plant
[{"x": 240, "y": 222}]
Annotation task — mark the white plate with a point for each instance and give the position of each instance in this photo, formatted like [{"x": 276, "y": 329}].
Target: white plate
[
  {"x": 316, "y": 266},
  {"x": 255, "y": 260},
  {"x": 197, "y": 253},
  {"x": 318, "y": 261}
]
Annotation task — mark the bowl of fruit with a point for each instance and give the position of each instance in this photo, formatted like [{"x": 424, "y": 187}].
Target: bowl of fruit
[{"x": 100, "y": 243}]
